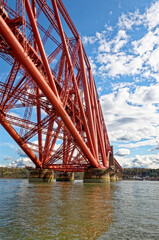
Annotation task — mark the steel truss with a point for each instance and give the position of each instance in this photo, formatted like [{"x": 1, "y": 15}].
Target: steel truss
[{"x": 48, "y": 102}]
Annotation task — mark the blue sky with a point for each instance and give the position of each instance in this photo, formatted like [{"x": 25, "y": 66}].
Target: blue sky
[{"x": 121, "y": 39}]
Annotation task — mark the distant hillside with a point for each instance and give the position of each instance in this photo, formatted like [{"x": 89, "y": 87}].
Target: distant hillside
[
  {"x": 6, "y": 172},
  {"x": 141, "y": 174}
]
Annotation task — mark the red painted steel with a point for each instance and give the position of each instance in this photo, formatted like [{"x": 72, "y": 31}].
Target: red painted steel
[{"x": 48, "y": 102}]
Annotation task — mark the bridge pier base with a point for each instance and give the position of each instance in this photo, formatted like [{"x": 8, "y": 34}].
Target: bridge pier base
[
  {"x": 113, "y": 177},
  {"x": 65, "y": 176},
  {"x": 95, "y": 175},
  {"x": 41, "y": 175}
]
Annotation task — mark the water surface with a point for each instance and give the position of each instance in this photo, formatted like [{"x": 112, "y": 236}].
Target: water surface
[{"x": 122, "y": 210}]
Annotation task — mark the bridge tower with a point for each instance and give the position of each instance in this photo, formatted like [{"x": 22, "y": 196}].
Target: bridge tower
[{"x": 49, "y": 102}]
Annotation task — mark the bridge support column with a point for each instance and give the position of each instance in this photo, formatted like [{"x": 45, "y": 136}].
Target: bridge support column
[
  {"x": 95, "y": 175},
  {"x": 111, "y": 159},
  {"x": 65, "y": 176},
  {"x": 41, "y": 175},
  {"x": 119, "y": 175}
]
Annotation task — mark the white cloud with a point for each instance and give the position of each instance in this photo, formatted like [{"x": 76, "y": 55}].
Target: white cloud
[
  {"x": 144, "y": 161},
  {"x": 126, "y": 21},
  {"x": 145, "y": 95},
  {"x": 131, "y": 115},
  {"x": 22, "y": 162},
  {"x": 89, "y": 40},
  {"x": 109, "y": 28},
  {"x": 106, "y": 45},
  {"x": 146, "y": 44},
  {"x": 122, "y": 152},
  {"x": 154, "y": 61},
  {"x": 118, "y": 63},
  {"x": 152, "y": 15},
  {"x": 156, "y": 148},
  {"x": 120, "y": 40}
]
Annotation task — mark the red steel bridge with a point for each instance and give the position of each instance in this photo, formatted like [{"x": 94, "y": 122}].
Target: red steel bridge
[{"x": 49, "y": 102}]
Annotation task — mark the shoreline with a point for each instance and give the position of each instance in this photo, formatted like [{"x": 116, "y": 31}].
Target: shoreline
[{"x": 132, "y": 180}]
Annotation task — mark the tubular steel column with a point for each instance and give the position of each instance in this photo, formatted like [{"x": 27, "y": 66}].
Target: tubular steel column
[
  {"x": 87, "y": 99},
  {"x": 38, "y": 107},
  {"x": 70, "y": 64},
  {"x": 99, "y": 127}
]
